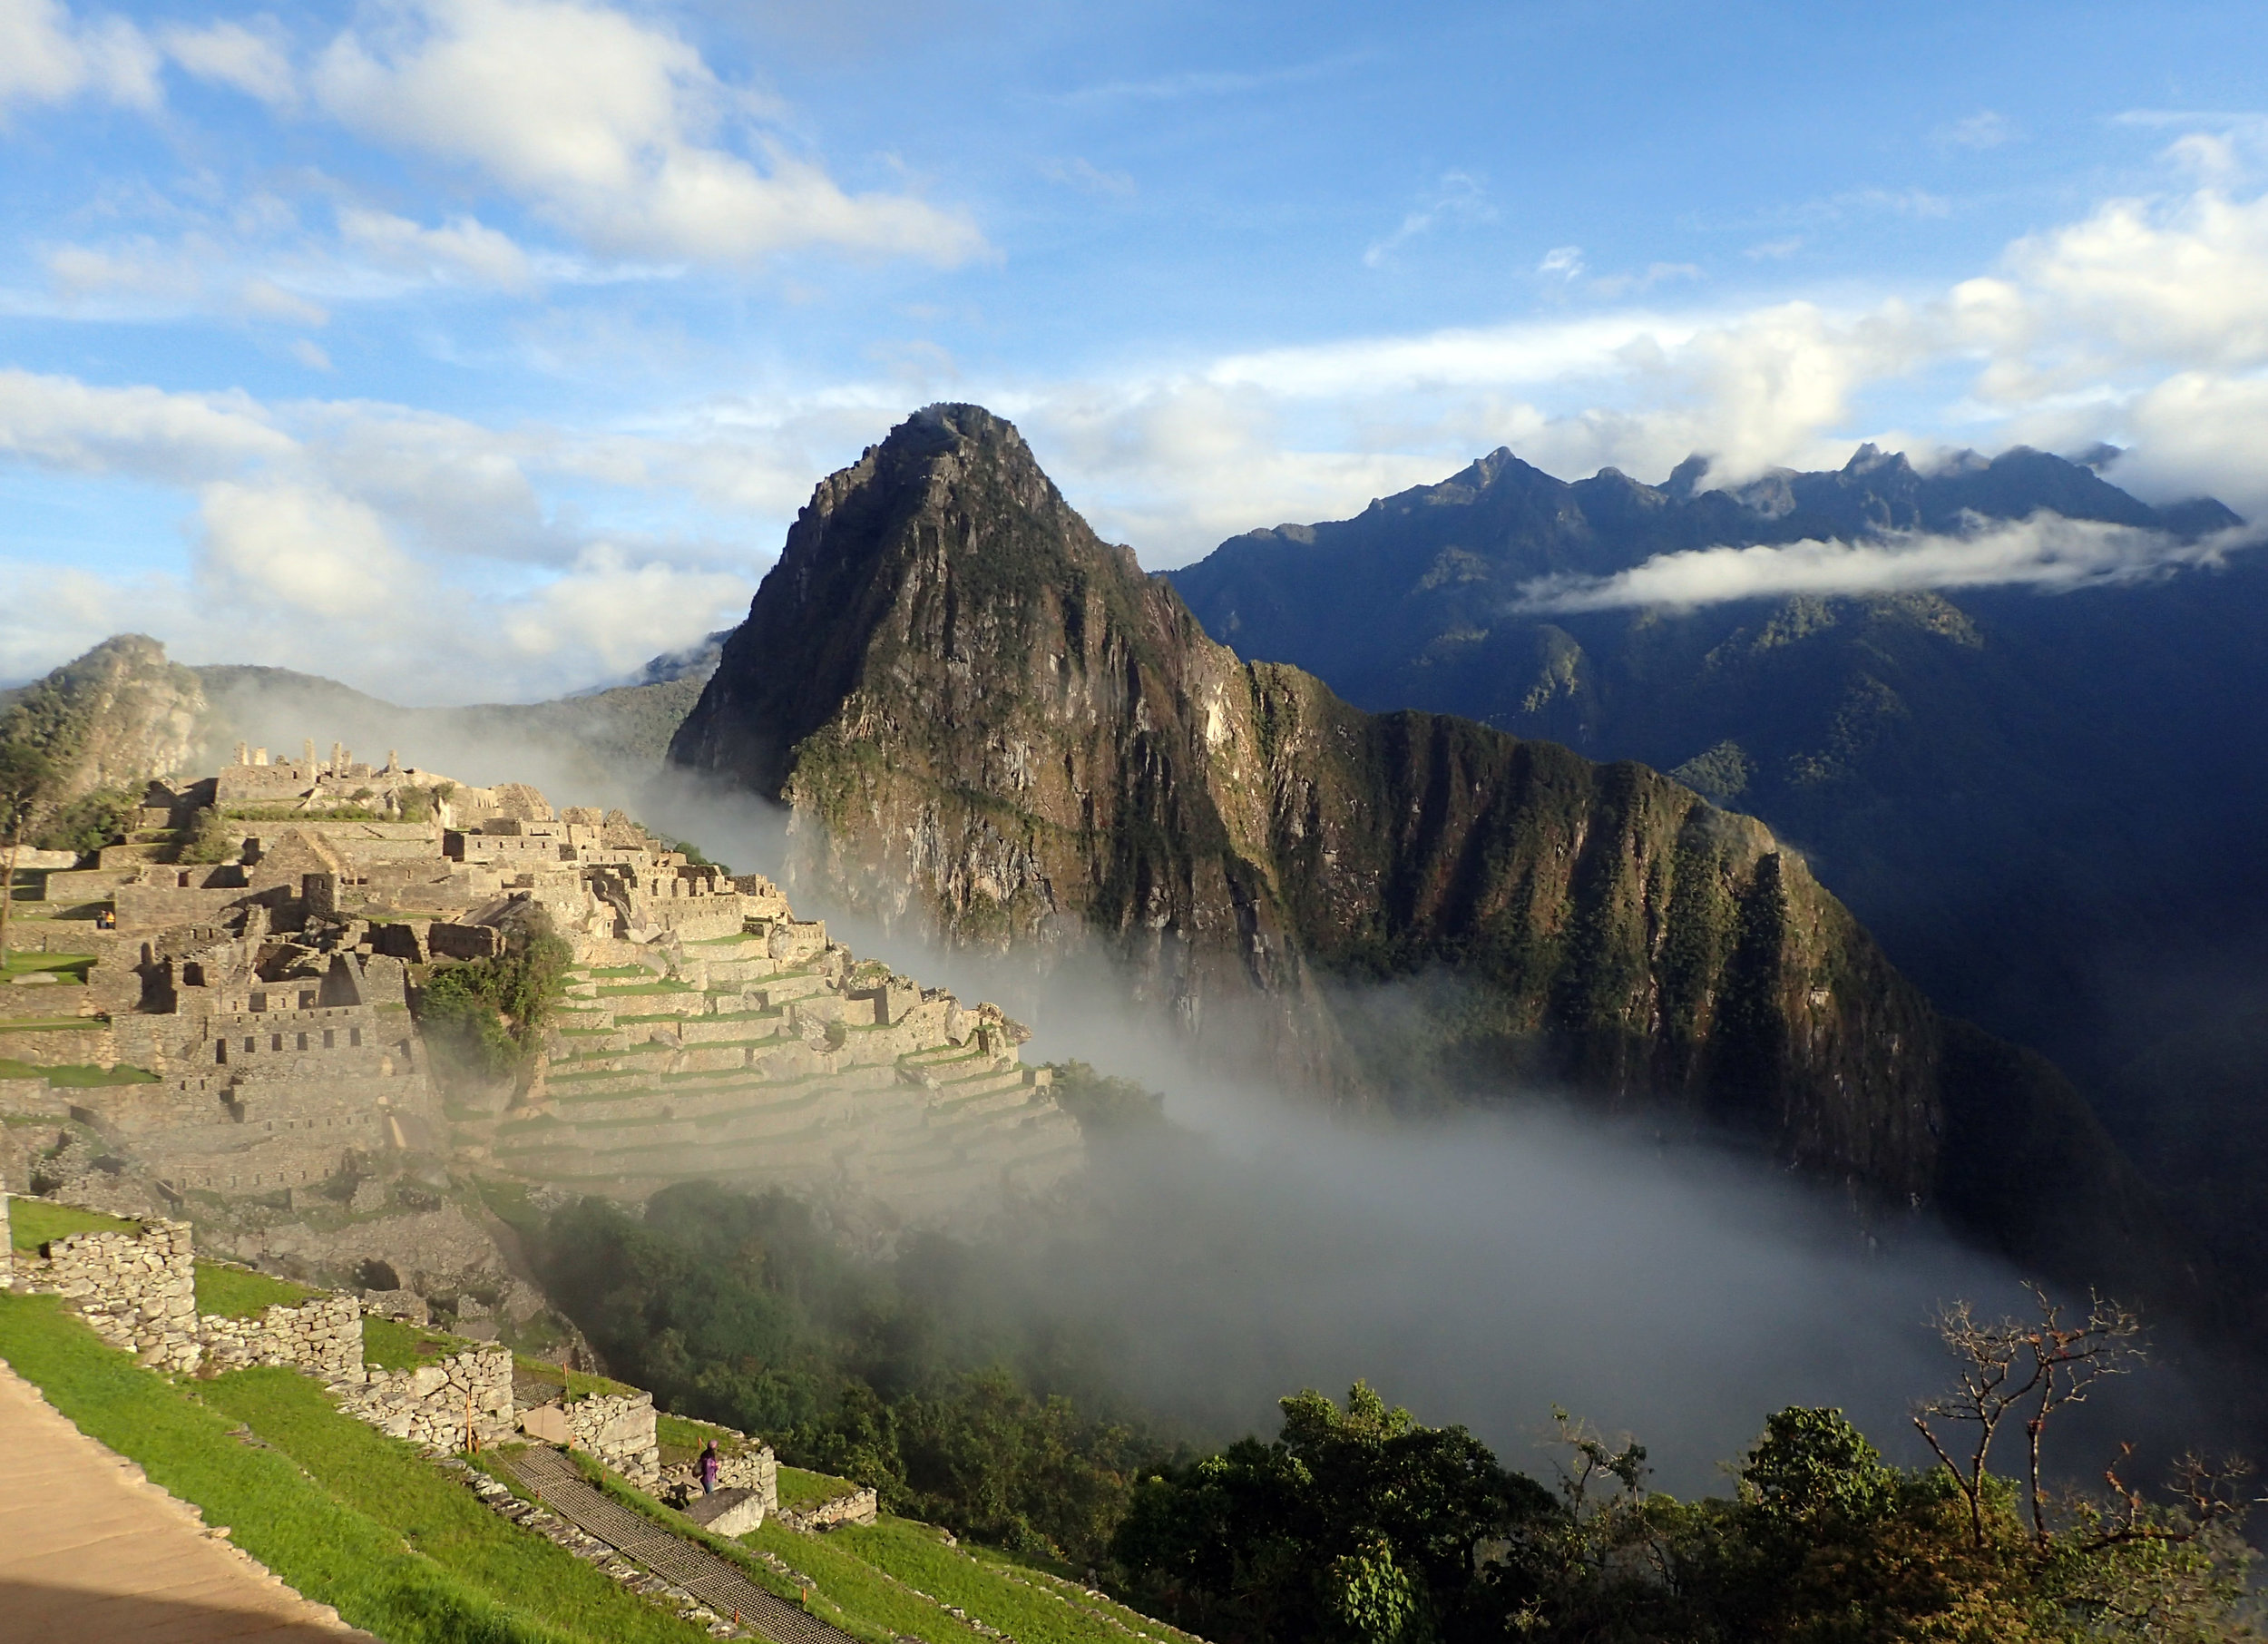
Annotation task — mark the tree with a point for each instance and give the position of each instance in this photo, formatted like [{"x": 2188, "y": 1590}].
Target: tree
[
  {"x": 2015, "y": 1369},
  {"x": 25, "y": 773},
  {"x": 1356, "y": 1524}
]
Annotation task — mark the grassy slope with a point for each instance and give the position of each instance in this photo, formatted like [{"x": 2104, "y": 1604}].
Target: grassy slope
[
  {"x": 330, "y": 1505},
  {"x": 1022, "y": 1603},
  {"x": 239, "y": 1293},
  {"x": 32, "y": 1222},
  {"x": 349, "y": 1517},
  {"x": 896, "y": 1578}
]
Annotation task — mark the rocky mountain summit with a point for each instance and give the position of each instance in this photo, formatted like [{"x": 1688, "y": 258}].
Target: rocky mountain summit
[{"x": 989, "y": 722}]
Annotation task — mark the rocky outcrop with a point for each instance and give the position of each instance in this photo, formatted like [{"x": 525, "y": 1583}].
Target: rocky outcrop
[
  {"x": 112, "y": 719},
  {"x": 987, "y": 720}
]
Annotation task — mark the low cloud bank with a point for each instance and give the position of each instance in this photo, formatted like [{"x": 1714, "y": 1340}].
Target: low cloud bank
[
  {"x": 1477, "y": 1265},
  {"x": 2046, "y": 551}
]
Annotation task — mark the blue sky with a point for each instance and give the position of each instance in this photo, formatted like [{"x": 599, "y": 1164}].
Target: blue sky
[{"x": 479, "y": 349}]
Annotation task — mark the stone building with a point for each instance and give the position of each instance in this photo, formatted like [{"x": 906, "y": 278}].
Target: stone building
[{"x": 708, "y": 1032}]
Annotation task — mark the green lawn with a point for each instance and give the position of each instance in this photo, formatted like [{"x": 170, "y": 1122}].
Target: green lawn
[
  {"x": 844, "y": 1580},
  {"x": 74, "y": 1075},
  {"x": 388, "y": 1344},
  {"x": 799, "y": 1489},
  {"x": 1026, "y": 1606},
  {"x": 32, "y": 1222},
  {"x": 346, "y": 1515},
  {"x": 240, "y": 1293},
  {"x": 73, "y": 966}
]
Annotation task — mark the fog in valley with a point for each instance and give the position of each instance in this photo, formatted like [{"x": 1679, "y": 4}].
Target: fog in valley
[{"x": 1478, "y": 1264}]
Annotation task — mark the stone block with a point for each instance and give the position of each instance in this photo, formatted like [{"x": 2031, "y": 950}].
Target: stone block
[{"x": 728, "y": 1512}]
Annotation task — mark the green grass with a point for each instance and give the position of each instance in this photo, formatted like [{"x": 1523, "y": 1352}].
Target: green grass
[
  {"x": 346, "y": 1515},
  {"x": 240, "y": 1293},
  {"x": 860, "y": 1589},
  {"x": 73, "y": 966},
  {"x": 619, "y": 970},
  {"x": 799, "y": 1489},
  {"x": 686, "y": 1437},
  {"x": 1017, "y": 1603},
  {"x": 32, "y": 1222},
  {"x": 388, "y": 1344},
  {"x": 647, "y": 987},
  {"x": 862, "y": 1605},
  {"x": 76, "y": 1075}
]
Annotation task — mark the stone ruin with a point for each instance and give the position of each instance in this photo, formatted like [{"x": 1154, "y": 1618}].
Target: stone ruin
[{"x": 709, "y": 1032}]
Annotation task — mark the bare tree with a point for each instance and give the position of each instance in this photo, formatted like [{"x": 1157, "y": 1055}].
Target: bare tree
[{"x": 2026, "y": 1371}]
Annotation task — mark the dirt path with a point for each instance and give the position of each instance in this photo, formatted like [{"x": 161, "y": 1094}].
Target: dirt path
[{"x": 90, "y": 1549}]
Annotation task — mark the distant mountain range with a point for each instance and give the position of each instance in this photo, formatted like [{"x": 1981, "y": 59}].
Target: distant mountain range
[
  {"x": 991, "y": 724},
  {"x": 2048, "y": 807}
]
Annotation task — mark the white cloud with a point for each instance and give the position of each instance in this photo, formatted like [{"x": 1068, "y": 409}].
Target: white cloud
[
  {"x": 1566, "y": 261},
  {"x": 409, "y": 552},
  {"x": 2139, "y": 284},
  {"x": 47, "y": 57},
  {"x": 1985, "y": 129},
  {"x": 145, "y": 433},
  {"x": 462, "y": 248},
  {"x": 267, "y": 300},
  {"x": 1088, "y": 176},
  {"x": 228, "y": 53},
  {"x": 2044, "y": 551},
  {"x": 302, "y": 551},
  {"x": 309, "y": 353},
  {"x": 1458, "y": 197},
  {"x": 619, "y": 612},
  {"x": 606, "y": 125}
]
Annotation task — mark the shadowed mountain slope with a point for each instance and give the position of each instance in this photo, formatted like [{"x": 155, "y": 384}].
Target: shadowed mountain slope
[
  {"x": 990, "y": 723},
  {"x": 2046, "y": 805}
]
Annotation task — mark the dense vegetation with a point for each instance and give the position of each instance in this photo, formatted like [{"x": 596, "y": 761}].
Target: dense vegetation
[
  {"x": 910, "y": 1374},
  {"x": 1362, "y": 1524},
  {"x": 914, "y": 1375},
  {"x": 485, "y": 1017}
]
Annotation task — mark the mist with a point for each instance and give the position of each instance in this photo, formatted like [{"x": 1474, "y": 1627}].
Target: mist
[
  {"x": 2046, "y": 551},
  {"x": 1479, "y": 1262}
]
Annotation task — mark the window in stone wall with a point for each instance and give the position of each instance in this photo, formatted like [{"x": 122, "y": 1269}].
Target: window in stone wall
[
  {"x": 306, "y": 999},
  {"x": 220, "y": 1052},
  {"x": 275, "y": 1041},
  {"x": 353, "y": 1037},
  {"x": 247, "y": 1041},
  {"x": 259, "y": 1002},
  {"x": 331, "y": 1039},
  {"x": 303, "y": 1041}
]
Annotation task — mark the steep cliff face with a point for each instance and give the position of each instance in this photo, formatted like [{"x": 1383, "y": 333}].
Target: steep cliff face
[
  {"x": 987, "y": 720},
  {"x": 112, "y": 719}
]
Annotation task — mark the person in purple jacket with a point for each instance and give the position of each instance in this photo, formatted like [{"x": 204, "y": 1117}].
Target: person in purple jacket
[{"x": 708, "y": 1469}]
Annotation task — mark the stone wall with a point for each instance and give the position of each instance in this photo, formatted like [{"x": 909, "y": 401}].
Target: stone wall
[
  {"x": 139, "y": 1292},
  {"x": 452, "y": 1403},
  {"x": 323, "y": 1337},
  {"x": 619, "y": 1430},
  {"x": 756, "y": 1469},
  {"x": 859, "y": 1507}
]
